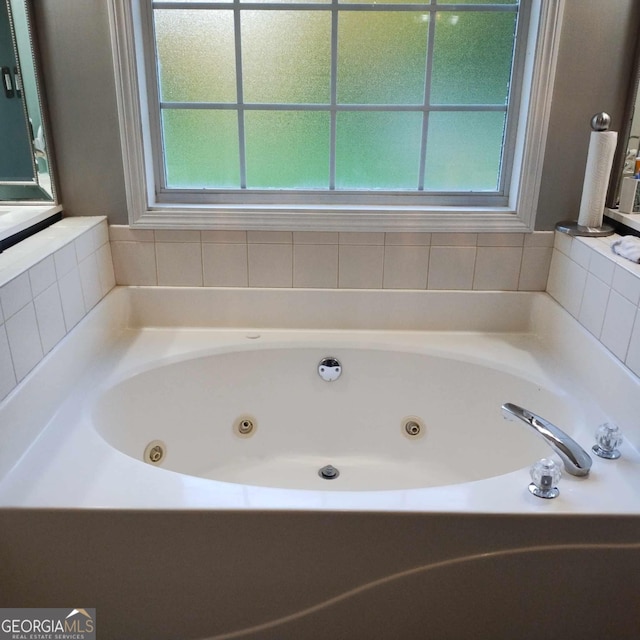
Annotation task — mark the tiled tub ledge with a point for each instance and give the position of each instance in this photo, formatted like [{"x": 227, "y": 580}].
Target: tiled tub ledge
[
  {"x": 418, "y": 261},
  {"x": 601, "y": 290},
  {"x": 48, "y": 283}
]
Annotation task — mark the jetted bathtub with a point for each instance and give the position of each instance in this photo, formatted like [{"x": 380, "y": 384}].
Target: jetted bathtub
[{"x": 180, "y": 448}]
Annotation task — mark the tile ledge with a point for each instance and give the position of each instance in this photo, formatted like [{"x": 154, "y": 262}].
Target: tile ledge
[
  {"x": 631, "y": 220},
  {"x": 24, "y": 255}
]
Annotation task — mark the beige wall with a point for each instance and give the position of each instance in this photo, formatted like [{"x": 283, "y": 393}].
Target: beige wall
[{"x": 593, "y": 73}]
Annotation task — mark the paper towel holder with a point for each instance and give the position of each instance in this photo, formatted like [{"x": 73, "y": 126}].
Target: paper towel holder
[
  {"x": 575, "y": 229},
  {"x": 599, "y": 122}
]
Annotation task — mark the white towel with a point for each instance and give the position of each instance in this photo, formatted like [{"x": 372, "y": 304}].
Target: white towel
[{"x": 628, "y": 247}]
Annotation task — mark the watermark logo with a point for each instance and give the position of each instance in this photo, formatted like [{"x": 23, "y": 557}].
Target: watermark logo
[{"x": 47, "y": 624}]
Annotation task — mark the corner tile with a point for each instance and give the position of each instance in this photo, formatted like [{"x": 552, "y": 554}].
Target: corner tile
[
  {"x": 134, "y": 263},
  {"x": 534, "y": 271}
]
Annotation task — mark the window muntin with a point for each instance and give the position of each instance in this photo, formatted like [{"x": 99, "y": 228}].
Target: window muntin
[{"x": 245, "y": 125}]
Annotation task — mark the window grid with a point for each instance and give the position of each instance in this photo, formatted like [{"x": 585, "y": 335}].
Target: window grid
[
  {"x": 333, "y": 107},
  {"x": 237, "y": 27}
]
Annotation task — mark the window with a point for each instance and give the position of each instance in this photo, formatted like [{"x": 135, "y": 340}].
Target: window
[{"x": 334, "y": 114}]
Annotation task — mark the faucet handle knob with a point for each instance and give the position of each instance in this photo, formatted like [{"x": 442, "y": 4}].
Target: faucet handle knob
[
  {"x": 608, "y": 439},
  {"x": 545, "y": 475}
]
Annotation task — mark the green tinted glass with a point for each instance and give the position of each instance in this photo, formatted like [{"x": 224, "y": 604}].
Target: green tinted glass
[
  {"x": 385, "y": 1},
  {"x": 286, "y": 56},
  {"x": 287, "y": 1},
  {"x": 287, "y": 149},
  {"x": 378, "y": 150},
  {"x": 382, "y": 57},
  {"x": 201, "y": 148},
  {"x": 472, "y": 57},
  {"x": 479, "y": 2},
  {"x": 464, "y": 151},
  {"x": 196, "y": 56}
]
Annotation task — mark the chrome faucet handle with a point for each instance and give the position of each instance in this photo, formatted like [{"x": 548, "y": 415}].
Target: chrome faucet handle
[
  {"x": 545, "y": 475},
  {"x": 576, "y": 460},
  {"x": 608, "y": 439}
]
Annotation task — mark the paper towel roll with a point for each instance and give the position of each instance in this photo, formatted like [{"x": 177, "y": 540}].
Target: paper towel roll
[{"x": 602, "y": 147}]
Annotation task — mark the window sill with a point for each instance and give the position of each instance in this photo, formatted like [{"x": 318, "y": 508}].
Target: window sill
[{"x": 339, "y": 218}]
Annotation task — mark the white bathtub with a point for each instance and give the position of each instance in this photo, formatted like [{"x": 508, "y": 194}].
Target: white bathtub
[
  {"x": 246, "y": 532},
  {"x": 157, "y": 378},
  {"x": 358, "y": 423}
]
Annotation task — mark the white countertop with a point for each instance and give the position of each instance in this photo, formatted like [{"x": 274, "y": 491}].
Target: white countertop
[{"x": 16, "y": 218}]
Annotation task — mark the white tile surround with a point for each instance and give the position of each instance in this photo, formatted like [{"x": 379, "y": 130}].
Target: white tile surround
[
  {"x": 601, "y": 290},
  {"x": 460, "y": 261},
  {"x": 48, "y": 283}
]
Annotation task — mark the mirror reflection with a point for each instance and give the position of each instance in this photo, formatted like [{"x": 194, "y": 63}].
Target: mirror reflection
[
  {"x": 624, "y": 165},
  {"x": 25, "y": 158},
  {"x": 633, "y": 143}
]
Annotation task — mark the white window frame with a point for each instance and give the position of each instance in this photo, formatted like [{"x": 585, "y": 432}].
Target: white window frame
[{"x": 146, "y": 211}]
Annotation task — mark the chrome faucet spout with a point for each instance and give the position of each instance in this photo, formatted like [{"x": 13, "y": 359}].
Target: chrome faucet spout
[{"x": 576, "y": 460}]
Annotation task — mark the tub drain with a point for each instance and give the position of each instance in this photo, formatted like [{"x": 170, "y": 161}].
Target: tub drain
[{"x": 328, "y": 472}]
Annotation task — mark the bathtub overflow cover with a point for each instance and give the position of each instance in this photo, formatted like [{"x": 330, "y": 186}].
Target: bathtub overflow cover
[
  {"x": 329, "y": 369},
  {"x": 328, "y": 472}
]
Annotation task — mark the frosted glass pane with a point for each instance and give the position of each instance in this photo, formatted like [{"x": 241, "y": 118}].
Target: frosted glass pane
[
  {"x": 381, "y": 57},
  {"x": 287, "y": 1},
  {"x": 196, "y": 55},
  {"x": 287, "y": 149},
  {"x": 378, "y": 150},
  {"x": 464, "y": 151},
  {"x": 472, "y": 57},
  {"x": 479, "y": 2},
  {"x": 286, "y": 56},
  {"x": 385, "y": 1},
  {"x": 201, "y": 148}
]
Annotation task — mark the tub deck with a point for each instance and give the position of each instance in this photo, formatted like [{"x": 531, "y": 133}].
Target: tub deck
[{"x": 70, "y": 465}]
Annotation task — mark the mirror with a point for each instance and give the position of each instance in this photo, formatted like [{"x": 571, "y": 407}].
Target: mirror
[
  {"x": 628, "y": 138},
  {"x": 25, "y": 152}
]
